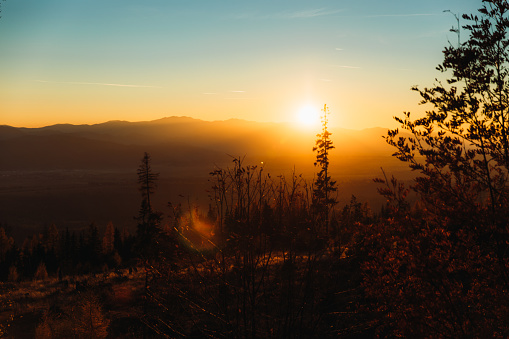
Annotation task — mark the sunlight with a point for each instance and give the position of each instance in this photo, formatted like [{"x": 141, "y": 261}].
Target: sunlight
[{"x": 308, "y": 116}]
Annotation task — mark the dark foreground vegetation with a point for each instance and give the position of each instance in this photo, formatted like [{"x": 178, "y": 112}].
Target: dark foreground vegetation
[{"x": 275, "y": 257}]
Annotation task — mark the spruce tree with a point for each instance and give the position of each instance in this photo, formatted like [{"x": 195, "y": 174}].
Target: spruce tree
[
  {"x": 147, "y": 180},
  {"x": 148, "y": 232},
  {"x": 324, "y": 189}
]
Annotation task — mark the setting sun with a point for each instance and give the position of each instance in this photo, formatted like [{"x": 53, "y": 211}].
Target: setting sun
[{"x": 308, "y": 116}]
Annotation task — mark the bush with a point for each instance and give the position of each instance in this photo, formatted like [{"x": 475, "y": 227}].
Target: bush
[
  {"x": 85, "y": 320},
  {"x": 41, "y": 273},
  {"x": 13, "y": 274}
]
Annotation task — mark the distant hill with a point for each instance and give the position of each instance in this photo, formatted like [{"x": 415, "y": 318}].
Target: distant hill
[
  {"x": 72, "y": 175},
  {"x": 178, "y": 140}
]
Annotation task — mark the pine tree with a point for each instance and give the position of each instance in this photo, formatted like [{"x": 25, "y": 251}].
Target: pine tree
[
  {"x": 90, "y": 321},
  {"x": 324, "y": 187},
  {"x": 149, "y": 220},
  {"x": 51, "y": 239},
  {"x": 147, "y": 181},
  {"x": 93, "y": 245},
  {"x": 108, "y": 244},
  {"x": 6, "y": 244}
]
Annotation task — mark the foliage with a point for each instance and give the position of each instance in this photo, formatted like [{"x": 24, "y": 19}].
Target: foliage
[
  {"x": 13, "y": 274},
  {"x": 108, "y": 242},
  {"x": 90, "y": 321},
  {"x": 84, "y": 320},
  {"x": 259, "y": 263},
  {"x": 92, "y": 245},
  {"x": 41, "y": 273},
  {"x": 441, "y": 269},
  {"x": 257, "y": 266},
  {"x": 6, "y": 244}
]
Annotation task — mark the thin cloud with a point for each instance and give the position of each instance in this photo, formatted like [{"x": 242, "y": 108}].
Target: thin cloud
[
  {"x": 96, "y": 84},
  {"x": 302, "y": 14},
  {"x": 339, "y": 49},
  {"x": 310, "y": 13},
  {"x": 397, "y": 15},
  {"x": 215, "y": 93}
]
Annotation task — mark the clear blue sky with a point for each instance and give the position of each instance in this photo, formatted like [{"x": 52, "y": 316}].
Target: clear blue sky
[{"x": 89, "y": 61}]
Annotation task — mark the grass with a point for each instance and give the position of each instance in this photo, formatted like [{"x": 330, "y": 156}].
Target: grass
[
  {"x": 25, "y": 303},
  {"x": 204, "y": 296}
]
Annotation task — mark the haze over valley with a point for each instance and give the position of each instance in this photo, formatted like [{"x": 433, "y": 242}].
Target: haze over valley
[{"x": 72, "y": 175}]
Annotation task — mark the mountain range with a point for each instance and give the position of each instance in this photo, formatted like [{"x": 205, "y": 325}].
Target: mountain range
[
  {"x": 74, "y": 174},
  {"x": 173, "y": 141}
]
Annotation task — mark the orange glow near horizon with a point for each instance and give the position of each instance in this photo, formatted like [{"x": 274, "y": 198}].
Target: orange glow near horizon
[{"x": 255, "y": 61}]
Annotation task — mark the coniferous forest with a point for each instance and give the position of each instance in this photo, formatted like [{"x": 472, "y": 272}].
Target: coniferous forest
[{"x": 276, "y": 256}]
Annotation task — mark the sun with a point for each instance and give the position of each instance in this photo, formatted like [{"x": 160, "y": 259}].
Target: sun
[{"x": 308, "y": 116}]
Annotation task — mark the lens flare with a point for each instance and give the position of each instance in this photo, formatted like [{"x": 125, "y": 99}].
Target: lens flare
[{"x": 195, "y": 232}]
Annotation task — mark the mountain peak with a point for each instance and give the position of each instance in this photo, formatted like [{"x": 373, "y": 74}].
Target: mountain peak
[{"x": 174, "y": 120}]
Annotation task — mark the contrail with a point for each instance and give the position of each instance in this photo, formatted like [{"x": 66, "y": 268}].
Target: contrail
[{"x": 96, "y": 83}]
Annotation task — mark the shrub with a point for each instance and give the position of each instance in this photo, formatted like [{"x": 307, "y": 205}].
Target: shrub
[{"x": 41, "y": 273}]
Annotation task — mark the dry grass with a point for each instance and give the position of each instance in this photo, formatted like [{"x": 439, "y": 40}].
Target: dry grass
[{"x": 25, "y": 305}]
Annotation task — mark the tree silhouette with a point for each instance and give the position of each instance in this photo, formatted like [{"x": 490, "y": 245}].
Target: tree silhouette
[
  {"x": 84, "y": 319},
  {"x": 324, "y": 187},
  {"x": 6, "y": 243},
  {"x": 108, "y": 242},
  {"x": 93, "y": 245},
  {"x": 147, "y": 181},
  {"x": 148, "y": 232},
  {"x": 41, "y": 273},
  {"x": 442, "y": 269}
]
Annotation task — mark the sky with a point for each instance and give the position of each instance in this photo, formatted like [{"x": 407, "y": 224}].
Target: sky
[{"x": 91, "y": 61}]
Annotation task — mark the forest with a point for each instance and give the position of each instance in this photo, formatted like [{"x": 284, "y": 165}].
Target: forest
[{"x": 276, "y": 256}]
